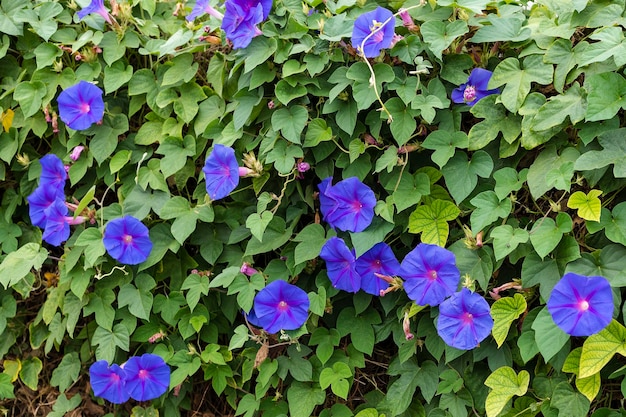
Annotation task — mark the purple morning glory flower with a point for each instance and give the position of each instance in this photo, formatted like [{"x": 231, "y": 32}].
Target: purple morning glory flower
[
  {"x": 378, "y": 260},
  {"x": 348, "y": 205},
  {"x": 366, "y": 24},
  {"x": 475, "y": 88},
  {"x": 96, "y": 6},
  {"x": 127, "y": 240},
  {"x": 52, "y": 172},
  {"x": 108, "y": 382},
  {"x": 147, "y": 376},
  {"x": 464, "y": 320},
  {"x": 281, "y": 306},
  {"x": 42, "y": 198},
  {"x": 430, "y": 274},
  {"x": 580, "y": 305},
  {"x": 241, "y": 19},
  {"x": 341, "y": 265},
  {"x": 81, "y": 105},
  {"x": 57, "y": 228},
  {"x": 201, "y": 7},
  {"x": 221, "y": 172}
]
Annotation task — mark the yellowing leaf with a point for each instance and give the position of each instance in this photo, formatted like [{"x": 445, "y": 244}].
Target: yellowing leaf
[
  {"x": 504, "y": 311},
  {"x": 432, "y": 221},
  {"x": 12, "y": 368},
  {"x": 504, "y": 384},
  {"x": 589, "y": 386},
  {"x": 7, "y": 119},
  {"x": 599, "y": 348},
  {"x": 588, "y": 205}
]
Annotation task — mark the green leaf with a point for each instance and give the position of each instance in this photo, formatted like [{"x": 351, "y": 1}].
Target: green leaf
[
  {"x": 108, "y": 340},
  {"x": 504, "y": 384},
  {"x": 613, "y": 152},
  {"x": 518, "y": 80},
  {"x": 554, "y": 112},
  {"x": 66, "y": 373},
  {"x": 175, "y": 153},
  {"x": 475, "y": 263},
  {"x": 196, "y": 285},
  {"x": 569, "y": 402},
  {"x": 290, "y": 121},
  {"x": 461, "y": 174},
  {"x": 317, "y": 132},
  {"x": 259, "y": 50},
  {"x": 284, "y": 155},
  {"x": 502, "y": 29},
  {"x": 488, "y": 209},
  {"x": 29, "y": 95},
  {"x": 116, "y": 76},
  {"x": 285, "y": 92},
  {"x": 546, "y": 233},
  {"x": 91, "y": 239},
  {"x": 16, "y": 265},
  {"x": 504, "y": 311},
  {"x": 439, "y": 35},
  {"x": 432, "y": 221},
  {"x": 606, "y": 95},
  {"x": 599, "y": 348},
  {"x": 444, "y": 144},
  {"x": 588, "y": 205},
  {"x": 590, "y": 386},
  {"x": 326, "y": 340},
  {"x": 548, "y": 162},
  {"x": 337, "y": 378},
  {"x": 6, "y": 387},
  {"x": 403, "y": 122},
  {"x": 506, "y": 239},
  {"x": 508, "y": 180},
  {"x": 257, "y": 223},
  {"x": 138, "y": 299},
  {"x": 311, "y": 239},
  {"x": 302, "y": 399},
  {"x": 549, "y": 337},
  {"x": 29, "y": 373},
  {"x": 246, "y": 289}
]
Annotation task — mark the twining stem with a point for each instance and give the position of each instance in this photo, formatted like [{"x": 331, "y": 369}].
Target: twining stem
[{"x": 361, "y": 51}]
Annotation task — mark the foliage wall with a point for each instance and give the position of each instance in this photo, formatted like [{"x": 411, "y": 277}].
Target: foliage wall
[{"x": 522, "y": 186}]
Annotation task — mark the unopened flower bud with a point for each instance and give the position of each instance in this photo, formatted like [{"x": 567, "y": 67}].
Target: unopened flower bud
[
  {"x": 303, "y": 166},
  {"x": 407, "y": 20},
  {"x": 76, "y": 152},
  {"x": 247, "y": 269},
  {"x": 23, "y": 159},
  {"x": 396, "y": 38},
  {"x": 406, "y": 326},
  {"x": 271, "y": 104}
]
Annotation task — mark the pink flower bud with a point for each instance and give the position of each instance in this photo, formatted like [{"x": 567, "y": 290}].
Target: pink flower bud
[
  {"x": 76, "y": 152},
  {"x": 247, "y": 269},
  {"x": 406, "y": 326},
  {"x": 244, "y": 171},
  {"x": 303, "y": 166},
  {"x": 271, "y": 104}
]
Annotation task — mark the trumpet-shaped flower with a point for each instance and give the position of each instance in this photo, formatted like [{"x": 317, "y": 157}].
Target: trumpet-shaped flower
[
  {"x": 201, "y": 7},
  {"x": 380, "y": 23},
  {"x": 281, "y": 306},
  {"x": 147, "y": 377},
  {"x": 464, "y": 320},
  {"x": 221, "y": 172},
  {"x": 341, "y": 265},
  {"x": 57, "y": 228},
  {"x": 108, "y": 382},
  {"x": 378, "y": 260},
  {"x": 430, "y": 274},
  {"x": 42, "y": 198},
  {"x": 241, "y": 19},
  {"x": 580, "y": 305},
  {"x": 52, "y": 172},
  {"x": 348, "y": 205},
  {"x": 475, "y": 88},
  {"x": 127, "y": 240},
  {"x": 96, "y": 6},
  {"x": 81, "y": 105}
]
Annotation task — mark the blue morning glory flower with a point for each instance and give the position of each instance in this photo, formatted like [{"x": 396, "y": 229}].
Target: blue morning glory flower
[
  {"x": 81, "y": 105},
  {"x": 475, "y": 88},
  {"x": 241, "y": 18},
  {"x": 380, "y": 259},
  {"x": 430, "y": 274},
  {"x": 96, "y": 6},
  {"x": 464, "y": 320},
  {"x": 281, "y": 306},
  {"x": 201, "y": 7},
  {"x": 53, "y": 172},
  {"x": 127, "y": 240},
  {"x": 108, "y": 382},
  {"x": 580, "y": 305},
  {"x": 147, "y": 377},
  {"x": 57, "y": 228},
  {"x": 366, "y": 24},
  {"x": 42, "y": 198},
  {"x": 221, "y": 172},
  {"x": 341, "y": 265},
  {"x": 348, "y": 205}
]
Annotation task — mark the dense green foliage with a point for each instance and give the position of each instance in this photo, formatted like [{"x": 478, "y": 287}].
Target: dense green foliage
[{"x": 522, "y": 187}]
